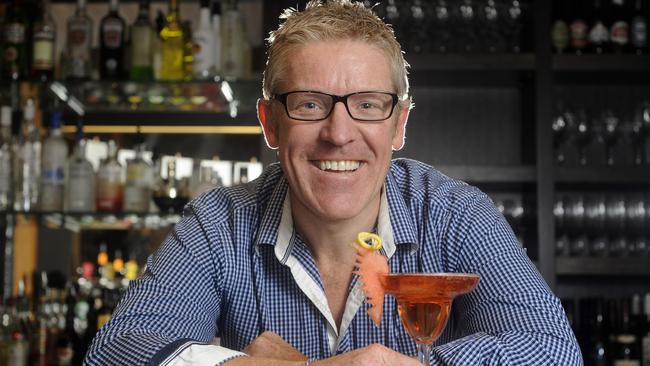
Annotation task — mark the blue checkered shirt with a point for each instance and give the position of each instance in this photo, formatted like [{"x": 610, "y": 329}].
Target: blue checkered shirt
[{"x": 231, "y": 270}]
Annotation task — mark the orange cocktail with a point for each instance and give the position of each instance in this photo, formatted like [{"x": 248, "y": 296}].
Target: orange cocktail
[{"x": 424, "y": 300}]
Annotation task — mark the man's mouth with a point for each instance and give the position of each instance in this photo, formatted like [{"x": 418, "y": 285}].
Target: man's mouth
[{"x": 338, "y": 165}]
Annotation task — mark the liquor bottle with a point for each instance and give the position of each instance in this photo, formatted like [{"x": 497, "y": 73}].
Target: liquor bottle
[
  {"x": 68, "y": 339},
  {"x": 79, "y": 43},
  {"x": 18, "y": 352},
  {"x": 578, "y": 28},
  {"x": 81, "y": 179},
  {"x": 216, "y": 37},
  {"x": 14, "y": 49},
  {"x": 203, "y": 38},
  {"x": 110, "y": 187},
  {"x": 171, "y": 46},
  {"x": 639, "y": 29},
  {"x": 159, "y": 24},
  {"x": 41, "y": 336},
  {"x": 645, "y": 340},
  {"x": 596, "y": 350},
  {"x": 560, "y": 27},
  {"x": 188, "y": 50},
  {"x": 5, "y": 158},
  {"x": 624, "y": 341},
  {"x": 27, "y": 166},
  {"x": 598, "y": 31},
  {"x": 106, "y": 310},
  {"x": 44, "y": 39},
  {"x": 142, "y": 38},
  {"x": 55, "y": 156},
  {"x": 139, "y": 180},
  {"x": 111, "y": 40},
  {"x": 232, "y": 42},
  {"x": 619, "y": 33}
]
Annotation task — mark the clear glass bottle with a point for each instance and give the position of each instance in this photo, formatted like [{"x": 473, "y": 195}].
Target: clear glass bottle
[
  {"x": 79, "y": 43},
  {"x": 171, "y": 46},
  {"x": 109, "y": 193},
  {"x": 5, "y": 158},
  {"x": 142, "y": 37},
  {"x": 81, "y": 179},
  {"x": 44, "y": 39},
  {"x": 216, "y": 37},
  {"x": 233, "y": 41},
  {"x": 27, "y": 164},
  {"x": 139, "y": 180},
  {"x": 55, "y": 156},
  {"x": 203, "y": 39}
]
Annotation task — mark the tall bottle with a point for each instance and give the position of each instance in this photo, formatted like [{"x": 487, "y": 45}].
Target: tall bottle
[
  {"x": 598, "y": 31},
  {"x": 639, "y": 29},
  {"x": 27, "y": 170},
  {"x": 55, "y": 157},
  {"x": 578, "y": 28},
  {"x": 188, "y": 50},
  {"x": 560, "y": 27},
  {"x": 619, "y": 34},
  {"x": 110, "y": 187},
  {"x": 111, "y": 44},
  {"x": 44, "y": 39},
  {"x": 216, "y": 36},
  {"x": 203, "y": 39},
  {"x": 81, "y": 179},
  {"x": 139, "y": 181},
  {"x": 171, "y": 46},
  {"x": 18, "y": 352},
  {"x": 232, "y": 41},
  {"x": 14, "y": 42},
  {"x": 645, "y": 340},
  {"x": 142, "y": 38},
  {"x": 79, "y": 43},
  {"x": 5, "y": 158}
]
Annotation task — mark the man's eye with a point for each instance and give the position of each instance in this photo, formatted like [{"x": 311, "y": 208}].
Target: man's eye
[{"x": 308, "y": 105}]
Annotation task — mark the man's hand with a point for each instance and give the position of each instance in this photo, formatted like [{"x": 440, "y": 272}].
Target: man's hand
[
  {"x": 373, "y": 355},
  {"x": 271, "y": 345}
]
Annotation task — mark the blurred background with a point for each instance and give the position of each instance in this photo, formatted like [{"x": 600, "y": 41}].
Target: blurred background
[{"x": 115, "y": 114}]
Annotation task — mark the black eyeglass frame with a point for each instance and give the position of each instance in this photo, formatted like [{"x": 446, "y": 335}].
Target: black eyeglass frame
[{"x": 282, "y": 98}]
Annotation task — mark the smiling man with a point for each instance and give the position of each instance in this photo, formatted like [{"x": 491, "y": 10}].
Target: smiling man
[{"x": 268, "y": 266}]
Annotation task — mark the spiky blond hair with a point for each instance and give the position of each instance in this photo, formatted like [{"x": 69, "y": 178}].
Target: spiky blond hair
[{"x": 332, "y": 20}]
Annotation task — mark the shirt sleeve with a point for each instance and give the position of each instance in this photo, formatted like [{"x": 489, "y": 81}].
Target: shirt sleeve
[
  {"x": 512, "y": 317},
  {"x": 171, "y": 309}
]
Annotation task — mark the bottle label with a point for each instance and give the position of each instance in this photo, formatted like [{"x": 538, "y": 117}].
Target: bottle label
[
  {"x": 78, "y": 35},
  {"x": 54, "y": 175},
  {"x": 142, "y": 37},
  {"x": 136, "y": 199},
  {"x": 112, "y": 33},
  {"x": 81, "y": 194},
  {"x": 15, "y": 33},
  {"x": 578, "y": 32},
  {"x": 10, "y": 54},
  {"x": 598, "y": 34},
  {"x": 43, "y": 54},
  {"x": 620, "y": 33},
  {"x": 203, "y": 52},
  {"x": 627, "y": 363},
  {"x": 639, "y": 32}
]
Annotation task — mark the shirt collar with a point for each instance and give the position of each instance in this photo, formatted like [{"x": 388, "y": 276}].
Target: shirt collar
[{"x": 394, "y": 223}]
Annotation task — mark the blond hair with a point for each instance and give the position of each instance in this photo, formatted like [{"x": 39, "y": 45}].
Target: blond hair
[{"x": 332, "y": 21}]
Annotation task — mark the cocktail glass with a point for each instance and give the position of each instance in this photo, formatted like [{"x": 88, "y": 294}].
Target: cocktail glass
[{"x": 424, "y": 303}]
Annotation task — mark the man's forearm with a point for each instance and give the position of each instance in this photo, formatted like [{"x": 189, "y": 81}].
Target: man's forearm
[{"x": 257, "y": 361}]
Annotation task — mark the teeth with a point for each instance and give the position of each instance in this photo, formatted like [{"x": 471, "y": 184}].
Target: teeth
[{"x": 338, "y": 165}]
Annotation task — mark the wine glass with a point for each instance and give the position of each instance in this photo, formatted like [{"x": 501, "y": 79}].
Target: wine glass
[
  {"x": 583, "y": 135},
  {"x": 563, "y": 123},
  {"x": 595, "y": 216},
  {"x": 424, "y": 303},
  {"x": 639, "y": 128},
  {"x": 610, "y": 133}
]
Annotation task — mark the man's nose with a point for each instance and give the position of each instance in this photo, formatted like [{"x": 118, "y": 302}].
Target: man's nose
[{"x": 339, "y": 128}]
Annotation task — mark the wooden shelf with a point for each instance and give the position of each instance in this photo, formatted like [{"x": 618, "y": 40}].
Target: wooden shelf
[
  {"x": 602, "y": 266},
  {"x": 460, "y": 62},
  {"x": 603, "y": 174},
  {"x": 591, "y": 63},
  {"x": 490, "y": 173}
]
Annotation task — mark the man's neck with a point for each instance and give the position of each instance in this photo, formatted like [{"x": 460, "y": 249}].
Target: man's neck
[{"x": 331, "y": 240}]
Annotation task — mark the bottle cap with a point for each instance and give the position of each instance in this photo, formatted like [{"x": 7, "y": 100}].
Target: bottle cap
[{"x": 5, "y": 116}]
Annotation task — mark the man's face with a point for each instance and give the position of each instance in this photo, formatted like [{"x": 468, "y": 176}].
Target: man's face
[{"x": 308, "y": 150}]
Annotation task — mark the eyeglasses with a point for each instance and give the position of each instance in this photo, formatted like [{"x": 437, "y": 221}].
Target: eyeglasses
[{"x": 316, "y": 106}]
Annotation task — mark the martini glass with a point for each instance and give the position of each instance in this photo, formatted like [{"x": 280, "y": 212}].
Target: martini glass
[{"x": 424, "y": 303}]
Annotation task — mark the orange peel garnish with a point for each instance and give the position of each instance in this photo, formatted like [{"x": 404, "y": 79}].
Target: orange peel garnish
[{"x": 368, "y": 240}]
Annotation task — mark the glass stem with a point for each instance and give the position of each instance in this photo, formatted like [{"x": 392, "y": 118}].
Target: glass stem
[{"x": 424, "y": 353}]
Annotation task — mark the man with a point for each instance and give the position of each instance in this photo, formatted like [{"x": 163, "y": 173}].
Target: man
[{"x": 268, "y": 266}]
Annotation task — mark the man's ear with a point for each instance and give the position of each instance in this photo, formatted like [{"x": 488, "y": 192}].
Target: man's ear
[
  {"x": 400, "y": 127},
  {"x": 267, "y": 123}
]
